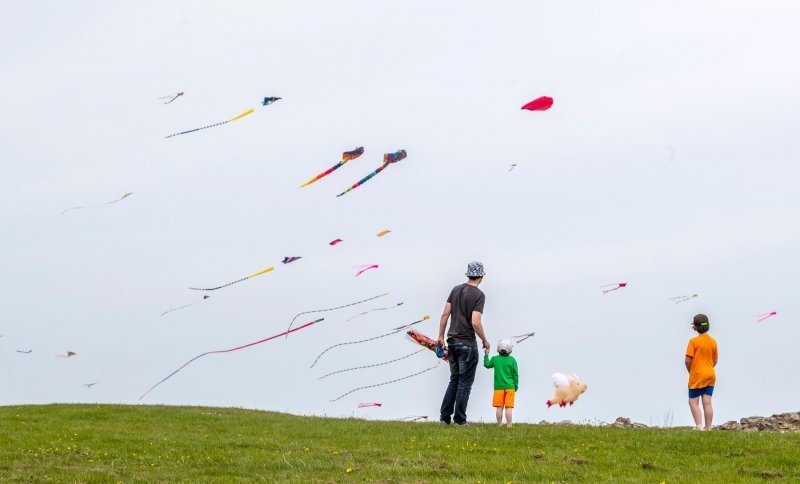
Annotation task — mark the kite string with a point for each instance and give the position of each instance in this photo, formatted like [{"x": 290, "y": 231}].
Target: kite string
[
  {"x": 383, "y": 383},
  {"x": 372, "y": 366}
]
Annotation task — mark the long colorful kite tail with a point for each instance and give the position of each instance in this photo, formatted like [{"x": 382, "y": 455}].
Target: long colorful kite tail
[
  {"x": 240, "y": 116},
  {"x": 362, "y": 269},
  {"x": 185, "y": 305},
  {"x": 613, "y": 287},
  {"x": 376, "y": 309},
  {"x": 364, "y": 180},
  {"x": 333, "y": 309},
  {"x": 383, "y": 383},
  {"x": 346, "y": 343},
  {"x": 268, "y": 269},
  {"x": 388, "y": 158},
  {"x": 373, "y": 404},
  {"x": 762, "y": 317},
  {"x": 346, "y": 156},
  {"x": 228, "y": 351},
  {"x": 372, "y": 366}
]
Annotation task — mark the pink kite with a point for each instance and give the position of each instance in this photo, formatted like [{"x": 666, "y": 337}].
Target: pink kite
[
  {"x": 539, "y": 104},
  {"x": 334, "y": 242},
  {"x": 762, "y": 317},
  {"x": 362, "y": 269},
  {"x": 613, "y": 287},
  {"x": 364, "y": 405}
]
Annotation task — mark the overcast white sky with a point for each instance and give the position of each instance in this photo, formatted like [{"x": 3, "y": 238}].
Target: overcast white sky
[{"x": 669, "y": 161}]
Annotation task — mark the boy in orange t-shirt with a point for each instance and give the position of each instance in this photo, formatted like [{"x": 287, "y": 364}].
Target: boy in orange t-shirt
[{"x": 701, "y": 358}]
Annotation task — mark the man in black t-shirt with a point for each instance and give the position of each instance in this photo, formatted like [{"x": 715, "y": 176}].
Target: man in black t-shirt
[{"x": 464, "y": 308}]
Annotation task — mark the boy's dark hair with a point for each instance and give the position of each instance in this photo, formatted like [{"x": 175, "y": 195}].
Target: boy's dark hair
[
  {"x": 700, "y": 323},
  {"x": 503, "y": 352},
  {"x": 474, "y": 278}
]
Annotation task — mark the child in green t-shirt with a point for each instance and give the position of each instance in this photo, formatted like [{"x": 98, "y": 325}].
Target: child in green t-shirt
[{"x": 506, "y": 379}]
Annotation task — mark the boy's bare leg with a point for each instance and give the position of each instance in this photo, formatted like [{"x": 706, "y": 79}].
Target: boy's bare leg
[
  {"x": 499, "y": 414},
  {"x": 508, "y": 415},
  {"x": 694, "y": 406},
  {"x": 708, "y": 410}
]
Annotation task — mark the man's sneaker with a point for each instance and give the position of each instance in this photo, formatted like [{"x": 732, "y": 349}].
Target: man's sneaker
[
  {"x": 463, "y": 424},
  {"x": 444, "y": 422}
]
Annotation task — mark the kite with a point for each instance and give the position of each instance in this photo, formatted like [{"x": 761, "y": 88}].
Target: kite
[
  {"x": 267, "y": 101},
  {"x": 228, "y": 351},
  {"x": 23, "y": 351},
  {"x": 613, "y": 287},
  {"x": 388, "y": 158},
  {"x": 69, "y": 354},
  {"x": 289, "y": 260},
  {"x": 762, "y": 317},
  {"x": 383, "y": 232},
  {"x": 268, "y": 269},
  {"x": 426, "y": 342},
  {"x": 394, "y": 331},
  {"x": 372, "y": 366},
  {"x": 362, "y": 269},
  {"x": 524, "y": 337},
  {"x": 513, "y": 165},
  {"x": 172, "y": 97},
  {"x": 334, "y": 242},
  {"x": 365, "y": 405},
  {"x": 539, "y": 104},
  {"x": 90, "y": 385},
  {"x": 414, "y": 418},
  {"x": 568, "y": 389},
  {"x": 333, "y": 309},
  {"x": 383, "y": 383},
  {"x": 206, "y": 296},
  {"x": 680, "y": 299},
  {"x": 99, "y": 204},
  {"x": 346, "y": 156},
  {"x": 376, "y": 309}
]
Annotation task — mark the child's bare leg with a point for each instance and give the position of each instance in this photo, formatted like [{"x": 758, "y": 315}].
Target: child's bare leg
[
  {"x": 708, "y": 410},
  {"x": 508, "y": 415},
  {"x": 499, "y": 414},
  {"x": 694, "y": 406}
]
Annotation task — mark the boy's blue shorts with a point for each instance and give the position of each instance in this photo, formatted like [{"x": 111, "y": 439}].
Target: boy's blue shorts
[{"x": 696, "y": 392}]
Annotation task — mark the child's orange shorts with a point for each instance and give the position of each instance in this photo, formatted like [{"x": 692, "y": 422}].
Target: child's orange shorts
[{"x": 503, "y": 398}]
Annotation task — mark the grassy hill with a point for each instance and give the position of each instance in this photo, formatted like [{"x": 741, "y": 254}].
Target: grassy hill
[{"x": 116, "y": 443}]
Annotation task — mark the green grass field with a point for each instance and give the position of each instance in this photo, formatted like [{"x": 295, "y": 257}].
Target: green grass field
[{"x": 116, "y": 443}]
